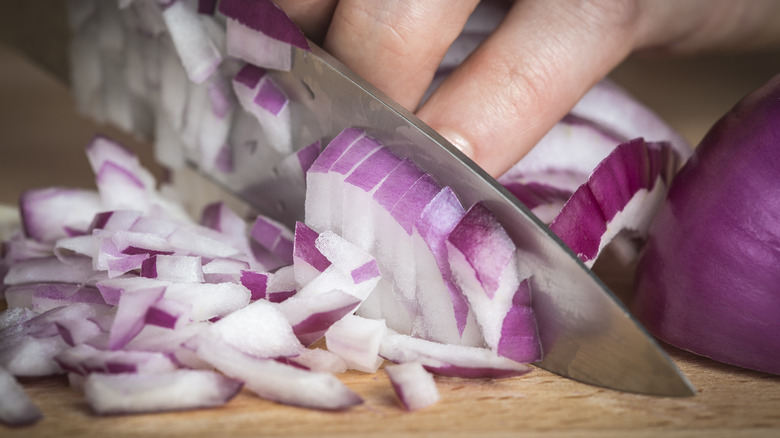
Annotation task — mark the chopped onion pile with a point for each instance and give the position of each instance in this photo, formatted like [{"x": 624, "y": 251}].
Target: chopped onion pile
[{"x": 147, "y": 310}]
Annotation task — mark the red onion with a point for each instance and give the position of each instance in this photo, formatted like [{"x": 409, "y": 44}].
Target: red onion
[{"x": 707, "y": 281}]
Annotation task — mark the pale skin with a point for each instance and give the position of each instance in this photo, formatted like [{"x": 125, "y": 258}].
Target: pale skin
[{"x": 532, "y": 69}]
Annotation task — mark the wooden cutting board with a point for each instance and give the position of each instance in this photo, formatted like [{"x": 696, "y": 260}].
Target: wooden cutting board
[{"x": 41, "y": 144}]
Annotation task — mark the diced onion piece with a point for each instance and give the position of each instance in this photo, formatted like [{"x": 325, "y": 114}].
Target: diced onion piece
[
  {"x": 131, "y": 315},
  {"x": 183, "y": 269},
  {"x": 485, "y": 263},
  {"x": 197, "y": 51},
  {"x": 16, "y": 408},
  {"x": 413, "y": 385},
  {"x": 128, "y": 393},
  {"x": 308, "y": 261},
  {"x": 47, "y": 213},
  {"x": 274, "y": 336},
  {"x": 707, "y": 279},
  {"x": 357, "y": 341},
  {"x": 622, "y": 193},
  {"x": 311, "y": 315},
  {"x": 261, "y": 33}
]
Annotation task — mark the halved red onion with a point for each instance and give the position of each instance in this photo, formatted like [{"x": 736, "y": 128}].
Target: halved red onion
[
  {"x": 413, "y": 385},
  {"x": 308, "y": 261},
  {"x": 707, "y": 279},
  {"x": 278, "y": 382},
  {"x": 129, "y": 393}
]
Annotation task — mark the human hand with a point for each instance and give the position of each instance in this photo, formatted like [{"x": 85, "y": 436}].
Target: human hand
[{"x": 531, "y": 70}]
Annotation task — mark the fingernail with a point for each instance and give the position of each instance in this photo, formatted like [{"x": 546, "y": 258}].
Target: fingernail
[{"x": 458, "y": 141}]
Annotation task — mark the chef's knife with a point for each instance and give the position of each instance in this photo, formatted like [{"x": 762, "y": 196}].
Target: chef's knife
[{"x": 587, "y": 334}]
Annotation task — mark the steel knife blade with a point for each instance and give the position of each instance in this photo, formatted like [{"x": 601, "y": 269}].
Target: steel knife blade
[{"x": 587, "y": 334}]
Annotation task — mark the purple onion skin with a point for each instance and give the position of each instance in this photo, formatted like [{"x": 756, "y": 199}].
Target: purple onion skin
[{"x": 708, "y": 278}]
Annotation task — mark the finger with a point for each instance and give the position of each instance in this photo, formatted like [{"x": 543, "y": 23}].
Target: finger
[
  {"x": 396, "y": 44},
  {"x": 312, "y": 16},
  {"x": 527, "y": 75}
]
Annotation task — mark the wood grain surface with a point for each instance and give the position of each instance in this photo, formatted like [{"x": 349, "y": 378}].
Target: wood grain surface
[{"x": 41, "y": 144}]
